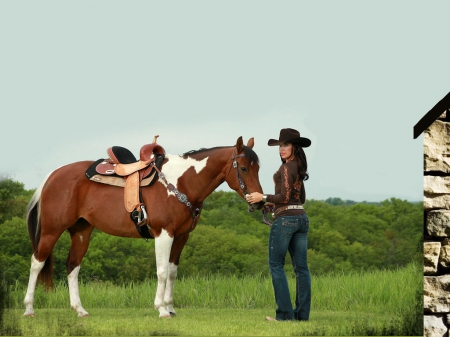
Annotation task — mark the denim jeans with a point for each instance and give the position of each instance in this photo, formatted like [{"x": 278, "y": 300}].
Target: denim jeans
[{"x": 290, "y": 234}]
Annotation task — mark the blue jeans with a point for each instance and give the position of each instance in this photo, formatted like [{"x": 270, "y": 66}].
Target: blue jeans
[{"x": 290, "y": 233}]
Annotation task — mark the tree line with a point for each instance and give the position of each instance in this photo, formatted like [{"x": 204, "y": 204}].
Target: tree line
[{"x": 344, "y": 236}]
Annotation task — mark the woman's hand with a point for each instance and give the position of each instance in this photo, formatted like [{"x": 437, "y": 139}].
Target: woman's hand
[{"x": 254, "y": 198}]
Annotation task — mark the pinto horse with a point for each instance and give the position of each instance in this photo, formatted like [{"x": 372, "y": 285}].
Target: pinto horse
[{"x": 68, "y": 201}]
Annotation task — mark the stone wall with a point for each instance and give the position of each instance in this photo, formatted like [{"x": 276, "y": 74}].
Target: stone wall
[{"x": 437, "y": 229}]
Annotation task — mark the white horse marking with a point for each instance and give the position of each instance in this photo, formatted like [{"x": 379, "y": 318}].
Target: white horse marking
[
  {"x": 35, "y": 268},
  {"x": 81, "y": 238},
  {"x": 177, "y": 166},
  {"x": 168, "y": 296},
  {"x": 75, "y": 302},
  {"x": 163, "y": 245}
]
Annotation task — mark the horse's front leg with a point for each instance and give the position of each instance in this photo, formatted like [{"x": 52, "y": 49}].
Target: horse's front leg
[
  {"x": 168, "y": 296},
  {"x": 163, "y": 246},
  {"x": 177, "y": 248}
]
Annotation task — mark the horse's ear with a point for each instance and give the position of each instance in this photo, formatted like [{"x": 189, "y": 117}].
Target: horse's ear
[
  {"x": 251, "y": 143},
  {"x": 239, "y": 145}
]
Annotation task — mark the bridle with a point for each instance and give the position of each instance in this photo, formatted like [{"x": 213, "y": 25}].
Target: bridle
[
  {"x": 195, "y": 211},
  {"x": 244, "y": 189},
  {"x": 236, "y": 166}
]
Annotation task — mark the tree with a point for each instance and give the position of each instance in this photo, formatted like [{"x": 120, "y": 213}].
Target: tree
[
  {"x": 13, "y": 199},
  {"x": 344, "y": 235},
  {"x": 15, "y": 250}
]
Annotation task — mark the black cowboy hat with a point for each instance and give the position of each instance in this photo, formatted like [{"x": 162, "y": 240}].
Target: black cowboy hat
[{"x": 290, "y": 136}]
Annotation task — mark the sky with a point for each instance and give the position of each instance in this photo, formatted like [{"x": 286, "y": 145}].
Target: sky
[{"x": 353, "y": 76}]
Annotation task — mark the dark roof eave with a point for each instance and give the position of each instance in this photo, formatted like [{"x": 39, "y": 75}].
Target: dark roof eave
[{"x": 432, "y": 115}]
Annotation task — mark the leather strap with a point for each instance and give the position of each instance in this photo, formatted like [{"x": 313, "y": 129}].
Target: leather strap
[
  {"x": 195, "y": 211},
  {"x": 131, "y": 193},
  {"x": 236, "y": 167},
  {"x": 284, "y": 208}
]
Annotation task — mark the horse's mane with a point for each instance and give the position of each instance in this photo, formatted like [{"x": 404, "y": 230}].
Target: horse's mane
[
  {"x": 249, "y": 153},
  {"x": 193, "y": 152}
]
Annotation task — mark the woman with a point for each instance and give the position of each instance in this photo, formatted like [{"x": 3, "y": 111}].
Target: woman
[{"x": 289, "y": 232}]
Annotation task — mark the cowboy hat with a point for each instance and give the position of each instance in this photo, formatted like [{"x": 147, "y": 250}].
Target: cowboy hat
[{"x": 290, "y": 136}]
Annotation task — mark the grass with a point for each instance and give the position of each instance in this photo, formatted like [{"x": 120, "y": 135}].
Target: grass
[
  {"x": 197, "y": 322},
  {"x": 372, "y": 303}
]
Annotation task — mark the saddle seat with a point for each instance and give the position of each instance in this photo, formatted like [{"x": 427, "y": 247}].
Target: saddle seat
[{"x": 125, "y": 163}]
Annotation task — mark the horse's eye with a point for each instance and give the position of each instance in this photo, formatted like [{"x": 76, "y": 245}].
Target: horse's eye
[{"x": 244, "y": 169}]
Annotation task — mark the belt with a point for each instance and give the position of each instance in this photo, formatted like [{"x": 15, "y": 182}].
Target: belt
[{"x": 283, "y": 208}]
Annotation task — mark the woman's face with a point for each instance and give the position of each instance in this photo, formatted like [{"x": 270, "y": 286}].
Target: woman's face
[{"x": 286, "y": 150}]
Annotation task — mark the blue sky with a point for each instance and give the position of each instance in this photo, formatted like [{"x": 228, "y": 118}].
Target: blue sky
[{"x": 353, "y": 76}]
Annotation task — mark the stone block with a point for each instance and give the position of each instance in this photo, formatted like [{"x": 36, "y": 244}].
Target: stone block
[
  {"x": 436, "y": 146},
  {"x": 436, "y": 185},
  {"x": 438, "y": 223},
  {"x": 431, "y": 251},
  {"x": 436, "y": 294},
  {"x": 444, "y": 255},
  {"x": 434, "y": 326}
]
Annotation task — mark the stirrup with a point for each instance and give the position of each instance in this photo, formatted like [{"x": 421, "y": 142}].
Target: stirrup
[{"x": 142, "y": 216}]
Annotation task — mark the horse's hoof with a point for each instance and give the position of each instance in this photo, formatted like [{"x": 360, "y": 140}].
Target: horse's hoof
[
  {"x": 83, "y": 315},
  {"x": 165, "y": 316},
  {"x": 28, "y": 315}
]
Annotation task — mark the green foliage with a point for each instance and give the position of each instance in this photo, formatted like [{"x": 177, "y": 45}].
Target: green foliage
[
  {"x": 8, "y": 321},
  {"x": 363, "y": 236},
  {"x": 344, "y": 236},
  {"x": 118, "y": 260},
  {"x": 4, "y": 294},
  {"x": 15, "y": 250},
  {"x": 13, "y": 199},
  {"x": 213, "y": 250}
]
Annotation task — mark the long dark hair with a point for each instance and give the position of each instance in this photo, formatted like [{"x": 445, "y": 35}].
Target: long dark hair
[{"x": 300, "y": 157}]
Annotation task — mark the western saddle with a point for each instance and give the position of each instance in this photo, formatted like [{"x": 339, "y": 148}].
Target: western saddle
[{"x": 122, "y": 162}]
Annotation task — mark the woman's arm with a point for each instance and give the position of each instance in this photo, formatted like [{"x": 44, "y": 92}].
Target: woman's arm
[{"x": 287, "y": 180}]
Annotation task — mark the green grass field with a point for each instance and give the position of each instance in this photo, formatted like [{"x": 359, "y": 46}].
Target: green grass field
[{"x": 370, "y": 303}]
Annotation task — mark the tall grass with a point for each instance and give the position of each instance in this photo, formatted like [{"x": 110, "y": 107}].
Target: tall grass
[
  {"x": 388, "y": 291},
  {"x": 366, "y": 303}
]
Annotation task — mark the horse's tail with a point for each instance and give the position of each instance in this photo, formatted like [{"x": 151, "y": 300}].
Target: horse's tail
[{"x": 34, "y": 231}]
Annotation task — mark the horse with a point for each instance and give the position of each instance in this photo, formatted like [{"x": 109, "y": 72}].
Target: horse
[{"x": 67, "y": 200}]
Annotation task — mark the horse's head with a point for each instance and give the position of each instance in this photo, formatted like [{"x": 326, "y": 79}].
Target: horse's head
[{"x": 243, "y": 173}]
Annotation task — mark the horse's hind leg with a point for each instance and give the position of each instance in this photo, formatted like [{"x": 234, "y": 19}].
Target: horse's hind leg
[
  {"x": 35, "y": 268},
  {"x": 38, "y": 260},
  {"x": 80, "y": 234}
]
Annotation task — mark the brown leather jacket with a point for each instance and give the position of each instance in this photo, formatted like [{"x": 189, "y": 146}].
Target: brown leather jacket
[{"x": 289, "y": 189}]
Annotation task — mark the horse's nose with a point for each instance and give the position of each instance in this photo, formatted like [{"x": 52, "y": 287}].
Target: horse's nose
[
  {"x": 254, "y": 207},
  {"x": 260, "y": 205}
]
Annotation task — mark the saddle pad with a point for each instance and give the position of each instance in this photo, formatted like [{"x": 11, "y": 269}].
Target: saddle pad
[{"x": 120, "y": 181}]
